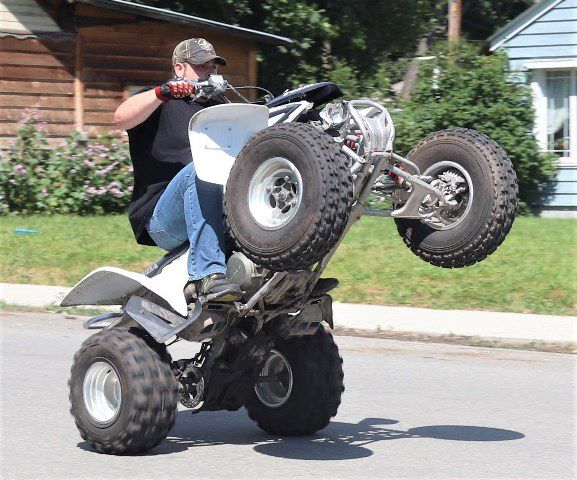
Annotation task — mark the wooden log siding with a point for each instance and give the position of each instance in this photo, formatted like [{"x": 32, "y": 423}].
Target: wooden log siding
[
  {"x": 114, "y": 54},
  {"x": 36, "y": 74},
  {"x": 40, "y": 73}
]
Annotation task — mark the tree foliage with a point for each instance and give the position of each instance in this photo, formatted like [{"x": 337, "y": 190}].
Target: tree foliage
[
  {"x": 472, "y": 91},
  {"x": 481, "y": 18},
  {"x": 359, "y": 34}
]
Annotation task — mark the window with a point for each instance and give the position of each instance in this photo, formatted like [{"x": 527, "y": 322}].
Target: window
[
  {"x": 555, "y": 91},
  {"x": 558, "y": 91}
]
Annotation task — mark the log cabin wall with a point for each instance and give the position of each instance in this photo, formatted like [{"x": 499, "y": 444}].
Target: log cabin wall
[
  {"x": 36, "y": 74},
  {"x": 75, "y": 80}
]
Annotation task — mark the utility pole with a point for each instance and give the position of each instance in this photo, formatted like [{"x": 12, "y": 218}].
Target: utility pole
[{"x": 454, "y": 20}]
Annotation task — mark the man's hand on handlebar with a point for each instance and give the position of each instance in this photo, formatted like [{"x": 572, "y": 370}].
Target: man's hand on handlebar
[{"x": 176, "y": 88}]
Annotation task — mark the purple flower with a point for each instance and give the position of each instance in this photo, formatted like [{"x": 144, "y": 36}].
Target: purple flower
[
  {"x": 20, "y": 170},
  {"x": 103, "y": 155},
  {"x": 12, "y": 181}
]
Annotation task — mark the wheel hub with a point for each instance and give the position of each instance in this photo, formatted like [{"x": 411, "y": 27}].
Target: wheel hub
[
  {"x": 275, "y": 383},
  {"x": 456, "y": 185},
  {"x": 275, "y": 193},
  {"x": 102, "y": 392}
]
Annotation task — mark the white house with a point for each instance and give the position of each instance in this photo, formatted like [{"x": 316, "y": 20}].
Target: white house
[{"x": 542, "y": 43}]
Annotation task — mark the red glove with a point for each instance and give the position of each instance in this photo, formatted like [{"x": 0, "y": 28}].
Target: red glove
[{"x": 175, "y": 88}]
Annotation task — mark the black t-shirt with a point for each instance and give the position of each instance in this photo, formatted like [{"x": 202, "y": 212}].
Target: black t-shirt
[{"x": 159, "y": 149}]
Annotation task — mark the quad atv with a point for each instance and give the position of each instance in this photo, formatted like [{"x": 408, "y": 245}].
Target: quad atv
[{"x": 298, "y": 172}]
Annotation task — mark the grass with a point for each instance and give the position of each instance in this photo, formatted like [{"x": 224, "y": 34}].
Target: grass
[{"x": 534, "y": 271}]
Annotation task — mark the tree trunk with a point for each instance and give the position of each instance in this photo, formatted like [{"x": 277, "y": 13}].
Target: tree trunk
[{"x": 413, "y": 69}]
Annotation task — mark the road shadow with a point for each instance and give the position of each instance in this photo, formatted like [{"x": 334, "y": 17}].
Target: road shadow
[{"x": 338, "y": 441}]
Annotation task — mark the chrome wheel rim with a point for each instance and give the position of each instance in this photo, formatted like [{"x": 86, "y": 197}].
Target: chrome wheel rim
[
  {"x": 275, "y": 193},
  {"x": 459, "y": 190},
  {"x": 102, "y": 392},
  {"x": 275, "y": 383}
]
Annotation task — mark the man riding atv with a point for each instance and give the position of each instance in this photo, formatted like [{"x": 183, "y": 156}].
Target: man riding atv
[
  {"x": 298, "y": 172},
  {"x": 170, "y": 205}
]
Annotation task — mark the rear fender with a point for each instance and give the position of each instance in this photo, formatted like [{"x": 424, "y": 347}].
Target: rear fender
[{"x": 113, "y": 286}]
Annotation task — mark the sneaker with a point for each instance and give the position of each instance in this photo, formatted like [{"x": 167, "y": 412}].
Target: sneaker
[{"x": 219, "y": 288}]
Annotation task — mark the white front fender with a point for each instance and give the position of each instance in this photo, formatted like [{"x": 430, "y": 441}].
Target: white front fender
[{"x": 217, "y": 135}]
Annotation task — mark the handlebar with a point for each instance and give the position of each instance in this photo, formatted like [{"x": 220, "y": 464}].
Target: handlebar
[{"x": 216, "y": 85}]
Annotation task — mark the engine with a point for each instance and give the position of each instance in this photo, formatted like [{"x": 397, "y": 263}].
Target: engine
[{"x": 244, "y": 273}]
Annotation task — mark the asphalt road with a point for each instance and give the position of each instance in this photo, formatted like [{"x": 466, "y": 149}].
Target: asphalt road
[{"x": 410, "y": 410}]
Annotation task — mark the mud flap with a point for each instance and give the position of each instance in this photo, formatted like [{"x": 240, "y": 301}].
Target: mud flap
[
  {"x": 159, "y": 322},
  {"x": 308, "y": 321},
  {"x": 206, "y": 320}
]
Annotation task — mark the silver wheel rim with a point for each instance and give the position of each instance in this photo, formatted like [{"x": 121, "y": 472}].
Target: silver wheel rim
[
  {"x": 275, "y": 383},
  {"x": 275, "y": 193},
  {"x": 449, "y": 217},
  {"x": 102, "y": 392}
]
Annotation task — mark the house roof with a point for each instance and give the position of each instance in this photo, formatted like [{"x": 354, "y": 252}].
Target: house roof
[
  {"x": 170, "y": 16},
  {"x": 520, "y": 22},
  {"x": 25, "y": 17}
]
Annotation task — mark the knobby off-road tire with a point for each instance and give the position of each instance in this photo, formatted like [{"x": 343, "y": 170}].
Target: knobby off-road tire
[
  {"x": 148, "y": 392},
  {"x": 493, "y": 207},
  {"x": 303, "y": 233},
  {"x": 316, "y": 390}
]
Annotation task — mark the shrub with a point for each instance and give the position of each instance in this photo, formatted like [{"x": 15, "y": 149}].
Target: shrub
[
  {"x": 75, "y": 177},
  {"x": 23, "y": 172},
  {"x": 356, "y": 85},
  {"x": 468, "y": 90}
]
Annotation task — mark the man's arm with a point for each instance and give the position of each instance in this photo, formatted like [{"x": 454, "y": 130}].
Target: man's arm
[{"x": 136, "y": 109}]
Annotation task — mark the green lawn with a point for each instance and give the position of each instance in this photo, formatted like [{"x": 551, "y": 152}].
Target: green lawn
[{"x": 533, "y": 271}]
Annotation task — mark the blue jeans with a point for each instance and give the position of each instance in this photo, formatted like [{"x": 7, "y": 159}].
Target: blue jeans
[{"x": 190, "y": 209}]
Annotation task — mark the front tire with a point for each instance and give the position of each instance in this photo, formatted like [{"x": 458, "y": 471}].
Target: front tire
[
  {"x": 307, "y": 391},
  {"x": 288, "y": 197},
  {"x": 484, "y": 214},
  {"x": 123, "y": 394}
]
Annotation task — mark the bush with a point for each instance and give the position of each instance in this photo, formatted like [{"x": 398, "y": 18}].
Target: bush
[
  {"x": 75, "y": 177},
  {"x": 355, "y": 85},
  {"x": 468, "y": 90}
]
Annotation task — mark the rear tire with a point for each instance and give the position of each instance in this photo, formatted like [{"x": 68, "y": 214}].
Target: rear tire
[
  {"x": 123, "y": 394},
  {"x": 288, "y": 197},
  {"x": 488, "y": 219},
  {"x": 308, "y": 402}
]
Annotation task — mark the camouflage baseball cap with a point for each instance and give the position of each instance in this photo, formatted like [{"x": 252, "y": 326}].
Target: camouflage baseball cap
[{"x": 196, "y": 51}]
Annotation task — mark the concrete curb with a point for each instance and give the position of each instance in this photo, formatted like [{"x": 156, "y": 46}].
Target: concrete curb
[{"x": 375, "y": 318}]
